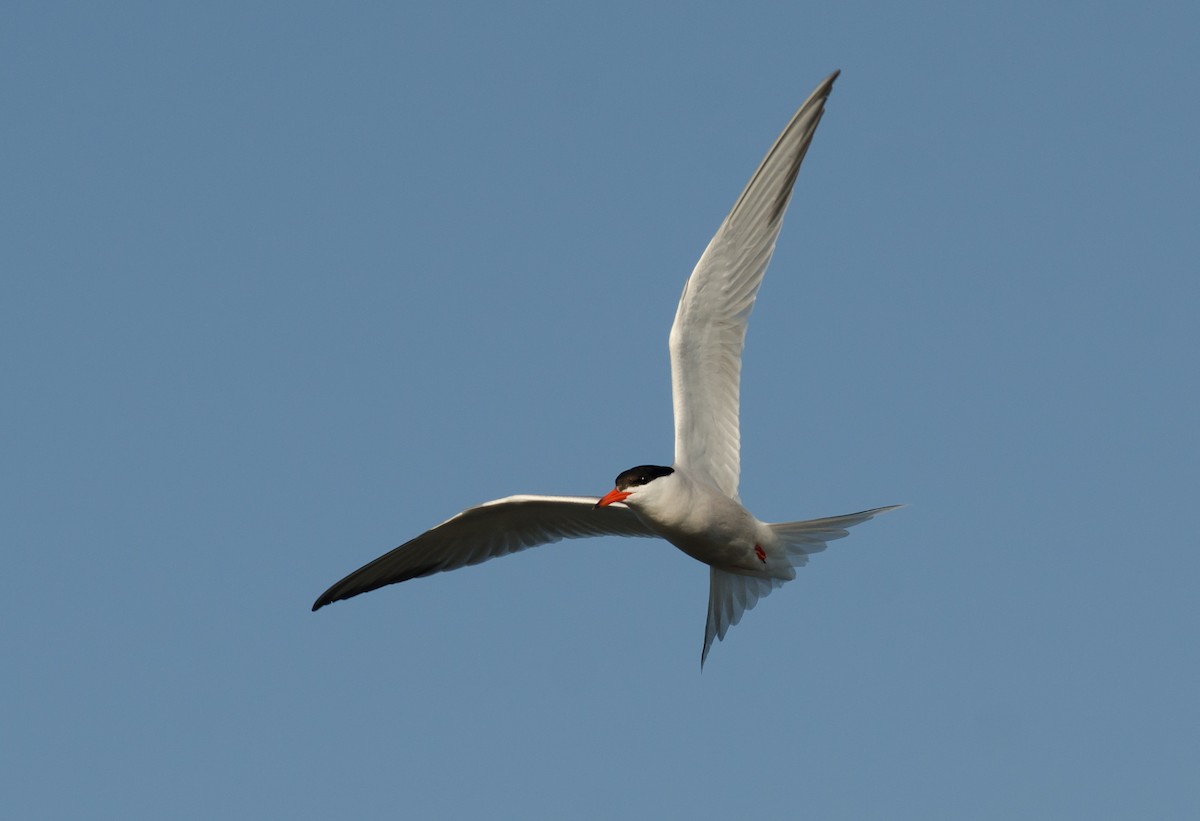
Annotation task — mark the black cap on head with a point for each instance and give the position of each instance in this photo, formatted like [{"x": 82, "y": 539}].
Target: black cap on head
[{"x": 641, "y": 474}]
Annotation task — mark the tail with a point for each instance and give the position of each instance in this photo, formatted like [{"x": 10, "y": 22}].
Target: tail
[{"x": 732, "y": 594}]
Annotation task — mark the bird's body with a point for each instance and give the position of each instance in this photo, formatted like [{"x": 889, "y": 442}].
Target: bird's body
[
  {"x": 693, "y": 504},
  {"x": 703, "y": 522}
]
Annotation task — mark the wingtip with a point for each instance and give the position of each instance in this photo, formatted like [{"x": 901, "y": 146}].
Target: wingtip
[{"x": 826, "y": 85}]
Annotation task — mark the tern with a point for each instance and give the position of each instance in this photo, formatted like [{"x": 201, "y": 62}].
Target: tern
[{"x": 693, "y": 503}]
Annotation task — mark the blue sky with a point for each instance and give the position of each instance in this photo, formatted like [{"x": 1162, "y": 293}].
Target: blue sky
[{"x": 286, "y": 284}]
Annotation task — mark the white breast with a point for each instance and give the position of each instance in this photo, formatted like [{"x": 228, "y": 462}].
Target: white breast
[{"x": 701, "y": 521}]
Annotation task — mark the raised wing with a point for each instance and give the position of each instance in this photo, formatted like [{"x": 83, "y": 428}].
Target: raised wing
[
  {"x": 710, "y": 324},
  {"x": 492, "y": 529}
]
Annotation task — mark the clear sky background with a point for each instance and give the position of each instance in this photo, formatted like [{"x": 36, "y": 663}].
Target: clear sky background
[{"x": 286, "y": 284}]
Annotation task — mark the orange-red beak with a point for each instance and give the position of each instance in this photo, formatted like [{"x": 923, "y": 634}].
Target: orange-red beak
[{"x": 613, "y": 495}]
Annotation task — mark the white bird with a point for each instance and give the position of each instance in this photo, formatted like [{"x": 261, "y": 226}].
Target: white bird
[{"x": 694, "y": 503}]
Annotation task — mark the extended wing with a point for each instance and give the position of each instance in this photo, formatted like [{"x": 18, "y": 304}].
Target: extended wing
[
  {"x": 492, "y": 529},
  {"x": 710, "y": 324}
]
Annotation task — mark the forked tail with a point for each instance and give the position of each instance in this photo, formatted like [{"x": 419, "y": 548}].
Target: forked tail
[
  {"x": 732, "y": 594},
  {"x": 801, "y": 539}
]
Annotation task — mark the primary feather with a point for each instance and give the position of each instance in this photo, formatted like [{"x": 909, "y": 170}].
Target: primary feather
[
  {"x": 480, "y": 533},
  {"x": 710, "y": 325}
]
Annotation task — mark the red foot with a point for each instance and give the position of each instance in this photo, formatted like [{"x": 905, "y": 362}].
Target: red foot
[{"x": 762, "y": 554}]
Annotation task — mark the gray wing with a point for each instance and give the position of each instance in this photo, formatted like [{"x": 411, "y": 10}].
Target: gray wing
[
  {"x": 710, "y": 324},
  {"x": 492, "y": 529}
]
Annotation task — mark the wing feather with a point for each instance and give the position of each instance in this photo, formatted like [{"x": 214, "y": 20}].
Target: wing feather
[
  {"x": 492, "y": 529},
  {"x": 710, "y": 325}
]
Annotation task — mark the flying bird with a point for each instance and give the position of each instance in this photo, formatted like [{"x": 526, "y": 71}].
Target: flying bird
[{"x": 693, "y": 503}]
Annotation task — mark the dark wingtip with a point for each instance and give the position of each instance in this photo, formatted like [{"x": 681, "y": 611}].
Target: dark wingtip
[
  {"x": 826, "y": 85},
  {"x": 330, "y": 596},
  {"x": 348, "y": 588}
]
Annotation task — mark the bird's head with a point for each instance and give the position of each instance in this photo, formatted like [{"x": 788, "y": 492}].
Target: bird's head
[{"x": 635, "y": 482}]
